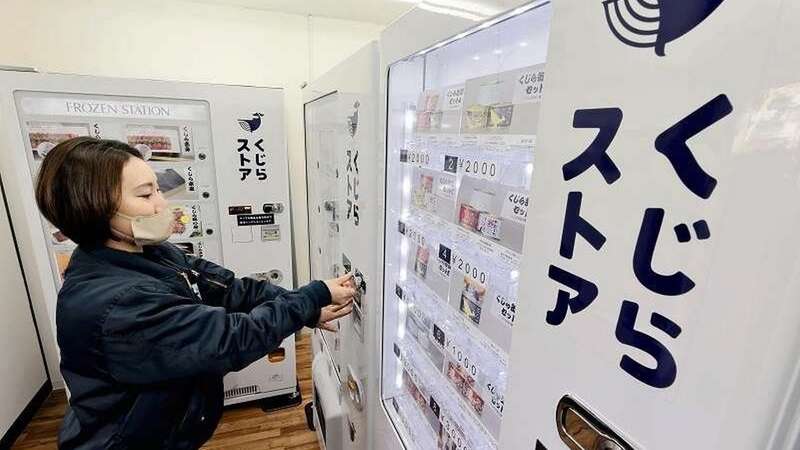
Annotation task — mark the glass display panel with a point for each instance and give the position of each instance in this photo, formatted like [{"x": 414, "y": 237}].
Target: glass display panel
[{"x": 461, "y": 134}]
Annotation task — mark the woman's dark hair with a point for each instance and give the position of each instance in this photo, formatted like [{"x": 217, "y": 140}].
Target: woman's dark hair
[{"x": 78, "y": 187}]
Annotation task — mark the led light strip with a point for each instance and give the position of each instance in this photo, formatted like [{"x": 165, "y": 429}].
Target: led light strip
[{"x": 488, "y": 23}]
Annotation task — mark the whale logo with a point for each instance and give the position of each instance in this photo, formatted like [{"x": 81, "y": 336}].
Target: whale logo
[{"x": 655, "y": 23}]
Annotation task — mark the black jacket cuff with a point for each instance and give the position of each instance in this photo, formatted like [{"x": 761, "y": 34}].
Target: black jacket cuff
[{"x": 321, "y": 295}]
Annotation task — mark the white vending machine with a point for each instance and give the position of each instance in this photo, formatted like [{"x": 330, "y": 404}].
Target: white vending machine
[
  {"x": 651, "y": 301},
  {"x": 220, "y": 156},
  {"x": 342, "y": 169},
  {"x": 461, "y": 135}
]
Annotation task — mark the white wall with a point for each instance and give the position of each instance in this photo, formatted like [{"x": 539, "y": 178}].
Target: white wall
[{"x": 186, "y": 41}]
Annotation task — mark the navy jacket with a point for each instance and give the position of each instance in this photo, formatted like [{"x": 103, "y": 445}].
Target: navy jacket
[{"x": 146, "y": 338}]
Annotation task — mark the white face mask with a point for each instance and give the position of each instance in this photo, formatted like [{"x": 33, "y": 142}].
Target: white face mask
[{"x": 153, "y": 229}]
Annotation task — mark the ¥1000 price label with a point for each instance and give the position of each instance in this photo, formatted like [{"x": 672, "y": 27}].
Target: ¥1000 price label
[{"x": 458, "y": 354}]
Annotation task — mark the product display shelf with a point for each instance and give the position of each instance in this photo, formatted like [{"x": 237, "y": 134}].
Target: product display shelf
[
  {"x": 416, "y": 428},
  {"x": 465, "y": 357},
  {"x": 418, "y": 297},
  {"x": 433, "y": 225},
  {"x": 455, "y": 423}
]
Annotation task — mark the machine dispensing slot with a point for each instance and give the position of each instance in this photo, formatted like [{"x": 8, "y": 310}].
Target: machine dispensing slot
[
  {"x": 277, "y": 355},
  {"x": 582, "y": 430}
]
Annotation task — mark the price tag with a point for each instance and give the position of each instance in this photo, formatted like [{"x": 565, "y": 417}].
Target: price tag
[
  {"x": 469, "y": 268},
  {"x": 415, "y": 235},
  {"x": 515, "y": 206},
  {"x": 419, "y": 157},
  {"x": 529, "y": 86},
  {"x": 478, "y": 167},
  {"x": 453, "y": 98},
  {"x": 460, "y": 357},
  {"x": 454, "y": 434}
]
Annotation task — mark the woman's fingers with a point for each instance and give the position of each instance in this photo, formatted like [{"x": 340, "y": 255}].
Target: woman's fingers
[
  {"x": 327, "y": 327},
  {"x": 345, "y": 279},
  {"x": 342, "y": 295},
  {"x": 331, "y": 313},
  {"x": 343, "y": 311},
  {"x": 335, "y": 307}
]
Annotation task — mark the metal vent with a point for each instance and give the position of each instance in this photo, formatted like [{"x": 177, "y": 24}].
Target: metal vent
[{"x": 240, "y": 392}]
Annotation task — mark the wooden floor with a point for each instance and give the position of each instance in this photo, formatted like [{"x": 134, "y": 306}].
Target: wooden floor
[{"x": 242, "y": 427}]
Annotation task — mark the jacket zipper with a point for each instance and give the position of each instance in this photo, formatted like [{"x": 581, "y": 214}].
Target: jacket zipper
[{"x": 195, "y": 273}]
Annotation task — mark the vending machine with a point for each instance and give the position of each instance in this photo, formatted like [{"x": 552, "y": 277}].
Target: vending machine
[
  {"x": 342, "y": 170},
  {"x": 649, "y": 299},
  {"x": 219, "y": 153},
  {"x": 462, "y": 119}
]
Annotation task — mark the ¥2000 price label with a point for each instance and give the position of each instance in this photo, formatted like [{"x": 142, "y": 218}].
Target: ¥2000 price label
[
  {"x": 469, "y": 268},
  {"x": 479, "y": 168}
]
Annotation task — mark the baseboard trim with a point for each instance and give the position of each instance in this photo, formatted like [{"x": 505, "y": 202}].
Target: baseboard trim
[{"x": 27, "y": 414}]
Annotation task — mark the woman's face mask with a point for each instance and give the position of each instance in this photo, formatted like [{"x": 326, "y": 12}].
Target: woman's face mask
[{"x": 153, "y": 229}]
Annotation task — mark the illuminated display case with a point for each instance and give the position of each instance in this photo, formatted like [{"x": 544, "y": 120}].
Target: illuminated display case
[{"x": 461, "y": 133}]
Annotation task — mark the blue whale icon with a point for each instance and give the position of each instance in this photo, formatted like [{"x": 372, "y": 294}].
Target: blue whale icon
[{"x": 651, "y": 23}]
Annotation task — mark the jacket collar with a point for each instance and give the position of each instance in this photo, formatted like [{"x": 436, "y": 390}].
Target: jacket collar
[{"x": 145, "y": 263}]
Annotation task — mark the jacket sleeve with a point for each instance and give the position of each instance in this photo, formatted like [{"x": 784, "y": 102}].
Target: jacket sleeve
[
  {"x": 219, "y": 286},
  {"x": 151, "y": 336}
]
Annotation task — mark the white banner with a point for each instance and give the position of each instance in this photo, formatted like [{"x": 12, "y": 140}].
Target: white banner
[
  {"x": 659, "y": 284},
  {"x": 103, "y": 107}
]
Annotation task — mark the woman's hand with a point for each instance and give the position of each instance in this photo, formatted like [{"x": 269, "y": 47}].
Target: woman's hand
[
  {"x": 342, "y": 290},
  {"x": 331, "y": 313}
]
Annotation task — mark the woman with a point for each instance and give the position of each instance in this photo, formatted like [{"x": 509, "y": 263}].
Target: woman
[{"x": 147, "y": 332}]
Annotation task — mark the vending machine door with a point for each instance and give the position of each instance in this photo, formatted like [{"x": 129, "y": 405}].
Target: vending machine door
[
  {"x": 462, "y": 120},
  {"x": 342, "y": 168},
  {"x": 661, "y": 265}
]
